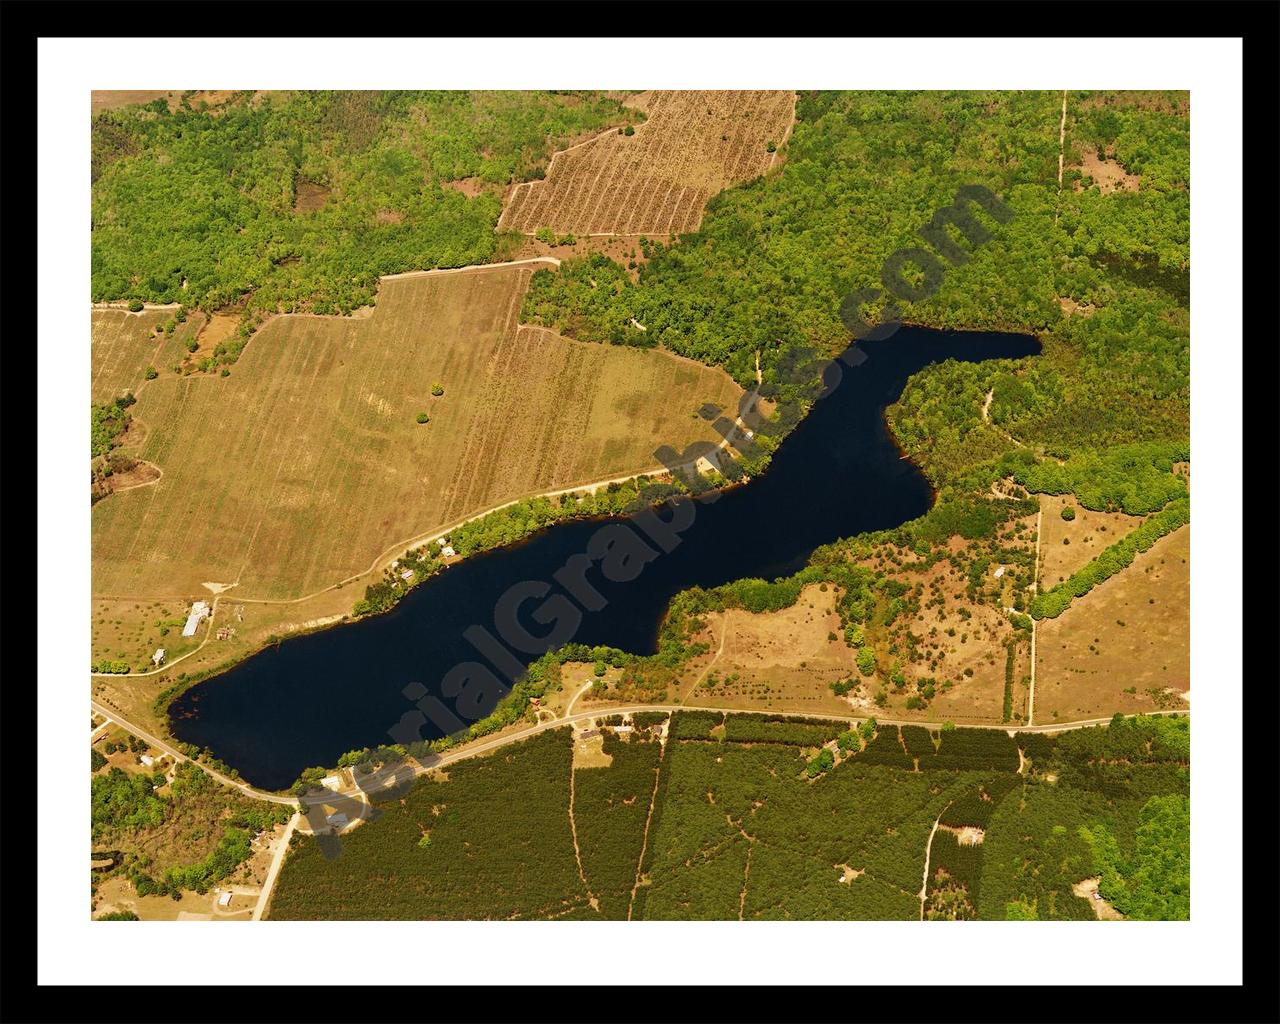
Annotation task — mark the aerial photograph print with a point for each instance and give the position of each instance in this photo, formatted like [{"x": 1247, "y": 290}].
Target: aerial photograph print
[{"x": 640, "y": 505}]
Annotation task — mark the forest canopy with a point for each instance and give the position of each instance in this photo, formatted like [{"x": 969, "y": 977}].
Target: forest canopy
[
  {"x": 1100, "y": 277},
  {"x": 300, "y": 201}
]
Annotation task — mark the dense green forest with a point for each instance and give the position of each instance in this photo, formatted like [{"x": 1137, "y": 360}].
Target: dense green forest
[
  {"x": 741, "y": 828},
  {"x": 299, "y": 201},
  {"x": 1082, "y": 815},
  {"x": 1102, "y": 277},
  {"x": 611, "y": 808},
  {"x": 491, "y": 842}
]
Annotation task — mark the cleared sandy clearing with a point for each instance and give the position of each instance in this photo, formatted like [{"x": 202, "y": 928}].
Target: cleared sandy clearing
[
  {"x": 213, "y": 99},
  {"x": 657, "y": 181},
  {"x": 782, "y": 660},
  {"x": 1107, "y": 174},
  {"x": 110, "y": 99},
  {"x": 1102, "y": 910}
]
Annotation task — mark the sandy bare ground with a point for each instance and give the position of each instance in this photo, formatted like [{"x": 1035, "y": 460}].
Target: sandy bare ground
[
  {"x": 967, "y": 835},
  {"x": 928, "y": 850},
  {"x": 309, "y": 452},
  {"x": 790, "y": 651},
  {"x": 848, "y": 874},
  {"x": 1107, "y": 174},
  {"x": 1086, "y": 535},
  {"x": 111, "y": 99},
  {"x": 1102, "y": 910}
]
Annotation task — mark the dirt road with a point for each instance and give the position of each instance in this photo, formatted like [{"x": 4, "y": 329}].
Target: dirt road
[
  {"x": 1035, "y": 587},
  {"x": 384, "y": 776},
  {"x": 273, "y": 872},
  {"x": 928, "y": 852},
  {"x": 381, "y": 778}
]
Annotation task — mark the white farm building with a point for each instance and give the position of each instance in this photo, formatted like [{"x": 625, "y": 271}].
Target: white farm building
[{"x": 199, "y": 612}]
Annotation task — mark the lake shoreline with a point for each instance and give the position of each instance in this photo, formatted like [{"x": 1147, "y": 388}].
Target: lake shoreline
[{"x": 843, "y": 444}]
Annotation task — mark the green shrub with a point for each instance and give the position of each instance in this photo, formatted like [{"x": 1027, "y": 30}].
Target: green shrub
[{"x": 823, "y": 762}]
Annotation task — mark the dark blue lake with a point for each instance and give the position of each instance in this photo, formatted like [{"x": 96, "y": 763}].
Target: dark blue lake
[{"x": 309, "y": 700}]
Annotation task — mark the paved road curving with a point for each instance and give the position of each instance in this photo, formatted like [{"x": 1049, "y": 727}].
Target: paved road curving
[{"x": 177, "y": 755}]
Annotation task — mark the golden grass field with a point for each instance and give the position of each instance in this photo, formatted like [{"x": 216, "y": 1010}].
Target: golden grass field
[
  {"x": 306, "y": 463},
  {"x": 1127, "y": 637},
  {"x": 786, "y": 660},
  {"x": 657, "y": 181},
  {"x": 124, "y": 344},
  {"x": 1085, "y": 536},
  {"x": 780, "y": 661}
]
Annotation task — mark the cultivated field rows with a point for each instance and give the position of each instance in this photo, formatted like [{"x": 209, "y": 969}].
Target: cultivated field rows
[
  {"x": 657, "y": 181},
  {"x": 124, "y": 344},
  {"x": 307, "y": 462}
]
